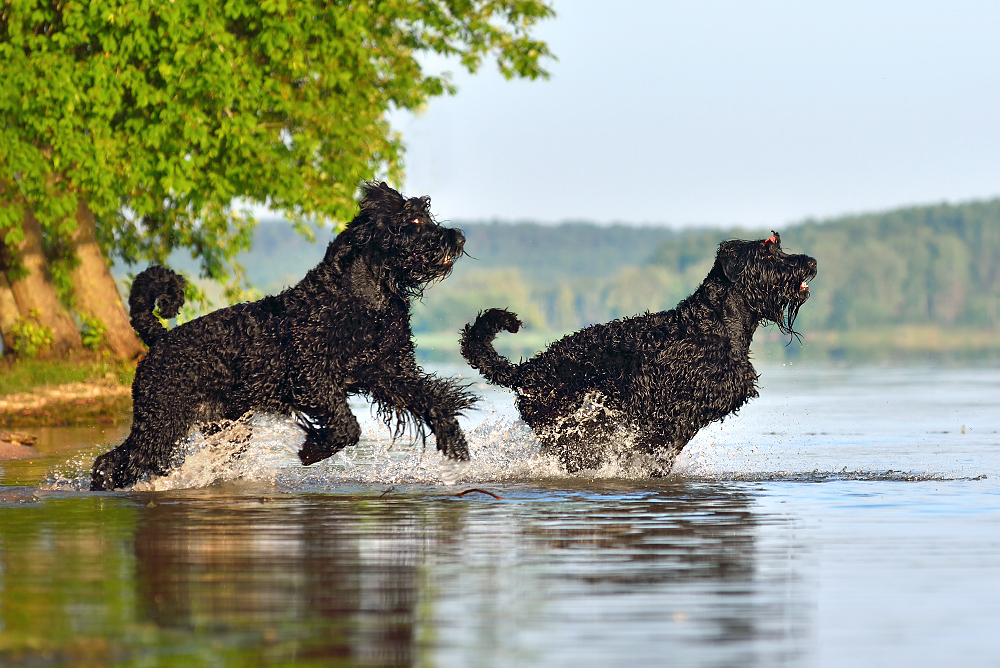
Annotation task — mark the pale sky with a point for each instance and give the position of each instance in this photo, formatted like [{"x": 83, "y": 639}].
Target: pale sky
[{"x": 706, "y": 112}]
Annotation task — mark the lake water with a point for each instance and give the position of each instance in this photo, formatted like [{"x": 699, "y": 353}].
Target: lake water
[{"x": 848, "y": 516}]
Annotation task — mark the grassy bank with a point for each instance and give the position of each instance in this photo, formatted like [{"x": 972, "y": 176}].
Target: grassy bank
[
  {"x": 64, "y": 392},
  {"x": 26, "y": 375}
]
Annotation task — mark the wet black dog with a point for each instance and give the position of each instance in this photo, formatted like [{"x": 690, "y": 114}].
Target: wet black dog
[
  {"x": 659, "y": 377},
  {"x": 344, "y": 329}
]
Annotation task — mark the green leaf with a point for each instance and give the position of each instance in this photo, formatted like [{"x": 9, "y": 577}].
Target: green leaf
[{"x": 161, "y": 114}]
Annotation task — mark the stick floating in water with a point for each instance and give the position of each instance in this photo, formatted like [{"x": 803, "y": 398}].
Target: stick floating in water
[{"x": 481, "y": 491}]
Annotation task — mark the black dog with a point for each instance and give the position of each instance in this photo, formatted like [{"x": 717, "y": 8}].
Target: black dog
[
  {"x": 344, "y": 329},
  {"x": 661, "y": 376}
]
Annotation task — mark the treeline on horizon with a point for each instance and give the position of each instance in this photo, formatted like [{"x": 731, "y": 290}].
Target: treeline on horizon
[{"x": 925, "y": 266}]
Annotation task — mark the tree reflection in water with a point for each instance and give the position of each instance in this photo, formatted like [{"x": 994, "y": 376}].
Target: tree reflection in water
[
  {"x": 313, "y": 579},
  {"x": 419, "y": 576}
]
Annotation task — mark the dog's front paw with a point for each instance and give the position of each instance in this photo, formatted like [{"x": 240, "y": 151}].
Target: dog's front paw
[
  {"x": 108, "y": 472},
  {"x": 310, "y": 453},
  {"x": 101, "y": 479},
  {"x": 317, "y": 446},
  {"x": 326, "y": 440}
]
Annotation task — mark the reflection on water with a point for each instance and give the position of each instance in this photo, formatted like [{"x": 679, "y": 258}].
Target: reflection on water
[
  {"x": 411, "y": 577},
  {"x": 63, "y": 451},
  {"x": 846, "y": 517},
  {"x": 298, "y": 580}
]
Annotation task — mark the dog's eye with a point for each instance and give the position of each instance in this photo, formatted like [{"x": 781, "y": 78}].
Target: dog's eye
[{"x": 417, "y": 221}]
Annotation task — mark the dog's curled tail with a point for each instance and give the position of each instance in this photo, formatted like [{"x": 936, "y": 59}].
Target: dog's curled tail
[
  {"x": 154, "y": 287},
  {"x": 477, "y": 346}
]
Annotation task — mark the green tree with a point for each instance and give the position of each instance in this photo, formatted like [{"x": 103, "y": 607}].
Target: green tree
[
  {"x": 132, "y": 128},
  {"x": 450, "y": 306}
]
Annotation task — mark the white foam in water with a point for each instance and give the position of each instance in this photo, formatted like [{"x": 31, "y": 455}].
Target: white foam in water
[
  {"x": 502, "y": 450},
  {"x": 252, "y": 448},
  {"x": 771, "y": 437},
  {"x": 264, "y": 448},
  {"x": 74, "y": 475},
  {"x": 719, "y": 448},
  {"x": 452, "y": 471}
]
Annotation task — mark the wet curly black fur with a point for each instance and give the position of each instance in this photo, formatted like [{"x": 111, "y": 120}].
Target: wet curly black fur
[
  {"x": 661, "y": 376},
  {"x": 343, "y": 330}
]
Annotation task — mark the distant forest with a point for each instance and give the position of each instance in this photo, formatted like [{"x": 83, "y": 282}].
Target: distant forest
[{"x": 918, "y": 271}]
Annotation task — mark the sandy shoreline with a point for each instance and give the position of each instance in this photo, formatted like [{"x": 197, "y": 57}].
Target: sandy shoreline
[
  {"x": 16, "y": 451},
  {"x": 17, "y": 445}
]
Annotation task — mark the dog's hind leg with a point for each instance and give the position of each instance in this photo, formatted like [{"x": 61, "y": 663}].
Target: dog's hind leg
[
  {"x": 151, "y": 447},
  {"x": 660, "y": 448},
  {"x": 329, "y": 426}
]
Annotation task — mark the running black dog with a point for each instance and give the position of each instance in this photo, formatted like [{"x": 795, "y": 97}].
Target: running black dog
[
  {"x": 659, "y": 377},
  {"x": 344, "y": 329}
]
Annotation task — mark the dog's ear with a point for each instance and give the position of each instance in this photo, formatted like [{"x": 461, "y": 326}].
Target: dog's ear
[
  {"x": 378, "y": 197},
  {"x": 417, "y": 207},
  {"x": 731, "y": 259}
]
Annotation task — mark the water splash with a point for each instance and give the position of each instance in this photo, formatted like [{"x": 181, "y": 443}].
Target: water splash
[
  {"x": 72, "y": 476},
  {"x": 263, "y": 449}
]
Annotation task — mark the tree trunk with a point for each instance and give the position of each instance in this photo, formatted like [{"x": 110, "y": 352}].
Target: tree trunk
[
  {"x": 8, "y": 314},
  {"x": 34, "y": 292},
  {"x": 95, "y": 289}
]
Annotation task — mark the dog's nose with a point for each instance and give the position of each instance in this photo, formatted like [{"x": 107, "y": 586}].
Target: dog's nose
[
  {"x": 811, "y": 263},
  {"x": 459, "y": 239}
]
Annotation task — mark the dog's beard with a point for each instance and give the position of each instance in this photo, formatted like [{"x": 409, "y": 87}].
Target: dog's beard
[
  {"x": 424, "y": 273},
  {"x": 779, "y": 304},
  {"x": 788, "y": 311},
  {"x": 786, "y": 320}
]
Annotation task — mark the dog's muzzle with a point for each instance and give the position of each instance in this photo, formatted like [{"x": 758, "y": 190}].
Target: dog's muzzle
[
  {"x": 457, "y": 243},
  {"x": 811, "y": 269}
]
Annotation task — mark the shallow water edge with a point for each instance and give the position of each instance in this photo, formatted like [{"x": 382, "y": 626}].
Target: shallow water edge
[{"x": 847, "y": 516}]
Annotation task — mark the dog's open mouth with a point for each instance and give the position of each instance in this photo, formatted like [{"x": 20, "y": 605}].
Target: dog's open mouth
[
  {"x": 449, "y": 260},
  {"x": 802, "y": 293}
]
